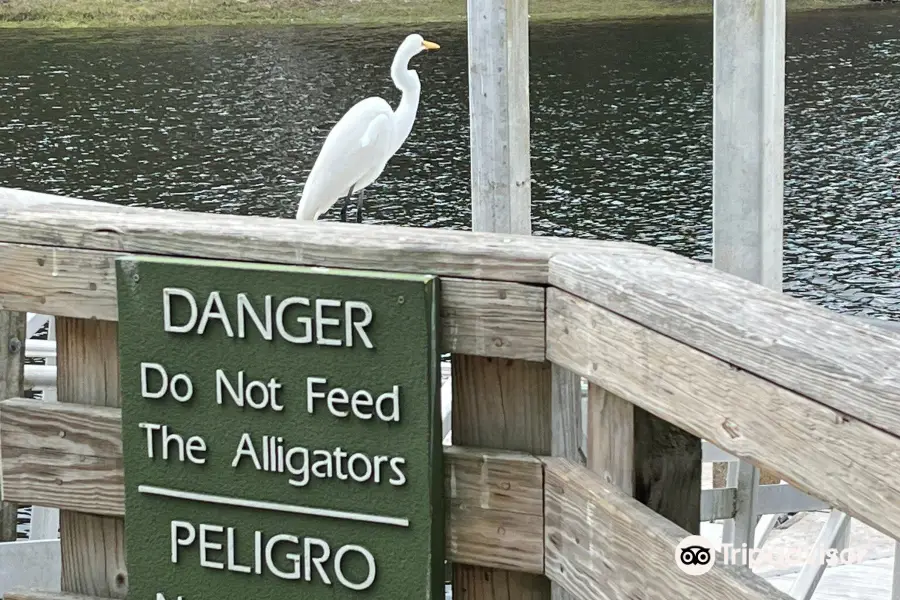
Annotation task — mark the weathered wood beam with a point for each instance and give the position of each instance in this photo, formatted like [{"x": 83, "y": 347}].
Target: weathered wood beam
[
  {"x": 485, "y": 318},
  {"x": 605, "y": 544},
  {"x": 500, "y": 403},
  {"x": 444, "y": 252},
  {"x": 748, "y": 176},
  {"x": 831, "y": 358},
  {"x": 69, "y": 456},
  {"x": 12, "y": 384},
  {"x": 843, "y": 461},
  {"x": 837, "y": 361},
  {"x": 501, "y": 204},
  {"x": 92, "y": 547}
]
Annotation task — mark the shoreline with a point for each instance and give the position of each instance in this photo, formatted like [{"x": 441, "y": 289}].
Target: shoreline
[{"x": 82, "y": 14}]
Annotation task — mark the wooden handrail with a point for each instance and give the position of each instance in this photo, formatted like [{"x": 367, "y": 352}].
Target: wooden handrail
[
  {"x": 774, "y": 380},
  {"x": 843, "y": 461},
  {"x": 444, "y": 252},
  {"x": 484, "y": 318},
  {"x": 844, "y": 363},
  {"x": 837, "y": 360}
]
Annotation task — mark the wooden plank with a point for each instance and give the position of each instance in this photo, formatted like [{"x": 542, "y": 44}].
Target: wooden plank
[
  {"x": 70, "y": 456},
  {"x": 566, "y": 409},
  {"x": 56, "y": 428},
  {"x": 838, "y": 361},
  {"x": 495, "y": 512},
  {"x": 748, "y": 139},
  {"x": 92, "y": 546},
  {"x": 501, "y": 203},
  {"x": 716, "y": 503},
  {"x": 492, "y": 318},
  {"x": 60, "y": 282},
  {"x": 567, "y": 429},
  {"x": 12, "y": 384},
  {"x": 444, "y": 252},
  {"x": 499, "y": 115},
  {"x": 504, "y": 404},
  {"x": 54, "y": 449},
  {"x": 845, "y": 462},
  {"x": 611, "y": 443},
  {"x": 604, "y": 544},
  {"x": 748, "y": 177},
  {"x": 485, "y": 318}
]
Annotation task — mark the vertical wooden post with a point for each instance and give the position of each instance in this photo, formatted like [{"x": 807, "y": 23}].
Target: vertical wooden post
[
  {"x": 499, "y": 116},
  {"x": 567, "y": 411},
  {"x": 500, "y": 403},
  {"x": 748, "y": 174},
  {"x": 567, "y": 428},
  {"x": 649, "y": 458},
  {"x": 646, "y": 457},
  {"x": 12, "y": 385},
  {"x": 93, "y": 555},
  {"x": 611, "y": 438}
]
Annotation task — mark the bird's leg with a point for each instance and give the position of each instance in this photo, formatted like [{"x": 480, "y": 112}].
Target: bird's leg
[
  {"x": 346, "y": 203},
  {"x": 359, "y": 205}
]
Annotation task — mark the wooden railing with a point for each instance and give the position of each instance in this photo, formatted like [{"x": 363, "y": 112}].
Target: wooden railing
[{"x": 673, "y": 350}]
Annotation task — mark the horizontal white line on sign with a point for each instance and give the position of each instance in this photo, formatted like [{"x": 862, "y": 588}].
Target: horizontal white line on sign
[{"x": 275, "y": 506}]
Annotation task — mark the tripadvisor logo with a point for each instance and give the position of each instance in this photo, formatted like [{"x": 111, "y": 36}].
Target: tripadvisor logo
[{"x": 695, "y": 555}]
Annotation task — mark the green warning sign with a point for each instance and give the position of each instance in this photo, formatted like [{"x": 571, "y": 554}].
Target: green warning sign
[{"x": 281, "y": 432}]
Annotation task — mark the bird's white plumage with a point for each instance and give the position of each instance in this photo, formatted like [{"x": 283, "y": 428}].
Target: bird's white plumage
[
  {"x": 353, "y": 156},
  {"x": 360, "y": 144}
]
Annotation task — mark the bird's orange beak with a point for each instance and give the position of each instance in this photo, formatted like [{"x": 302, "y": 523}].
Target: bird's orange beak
[{"x": 430, "y": 45}]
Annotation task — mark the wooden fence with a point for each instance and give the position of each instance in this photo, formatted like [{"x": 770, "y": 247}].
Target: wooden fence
[{"x": 674, "y": 352}]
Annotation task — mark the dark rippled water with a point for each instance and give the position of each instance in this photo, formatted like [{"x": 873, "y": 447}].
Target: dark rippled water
[{"x": 230, "y": 120}]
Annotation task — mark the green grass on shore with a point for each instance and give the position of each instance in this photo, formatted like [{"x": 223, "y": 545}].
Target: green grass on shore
[{"x": 117, "y": 13}]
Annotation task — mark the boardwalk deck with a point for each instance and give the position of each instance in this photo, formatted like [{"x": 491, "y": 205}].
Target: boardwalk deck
[{"x": 868, "y": 581}]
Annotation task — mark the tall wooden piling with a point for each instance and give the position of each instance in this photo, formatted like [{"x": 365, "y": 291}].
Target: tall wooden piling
[
  {"x": 748, "y": 174},
  {"x": 12, "y": 384},
  {"x": 497, "y": 402},
  {"x": 93, "y": 546}
]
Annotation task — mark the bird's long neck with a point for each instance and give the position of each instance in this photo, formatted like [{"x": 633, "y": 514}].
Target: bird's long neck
[{"x": 407, "y": 82}]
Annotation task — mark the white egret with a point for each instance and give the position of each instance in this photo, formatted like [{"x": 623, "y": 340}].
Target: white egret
[{"x": 361, "y": 143}]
